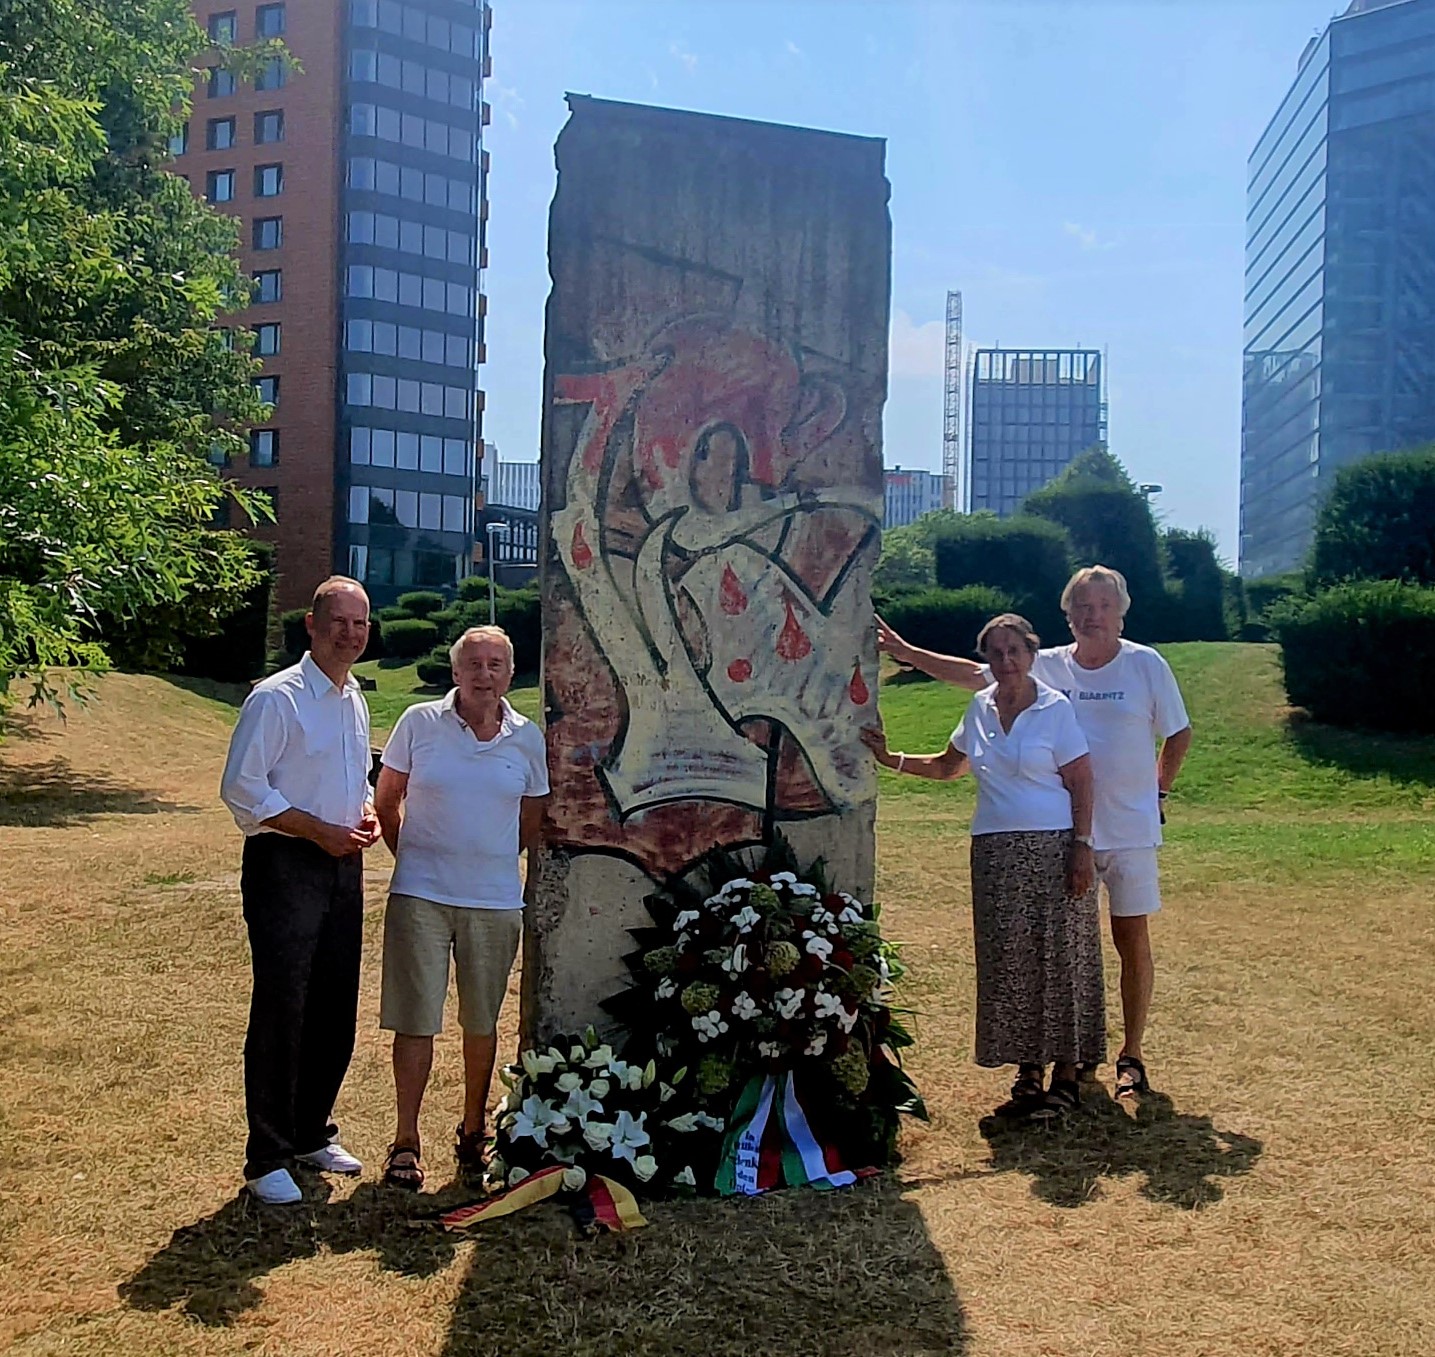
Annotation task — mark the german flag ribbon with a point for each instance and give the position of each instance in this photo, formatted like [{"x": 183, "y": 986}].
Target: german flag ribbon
[{"x": 602, "y": 1204}]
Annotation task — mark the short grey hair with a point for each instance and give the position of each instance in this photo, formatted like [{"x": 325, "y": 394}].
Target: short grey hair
[
  {"x": 1097, "y": 574},
  {"x": 480, "y": 634},
  {"x": 1009, "y": 622}
]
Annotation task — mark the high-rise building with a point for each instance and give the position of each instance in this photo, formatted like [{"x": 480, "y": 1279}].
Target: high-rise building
[
  {"x": 1033, "y": 411},
  {"x": 907, "y": 495},
  {"x": 1339, "y": 356},
  {"x": 514, "y": 485},
  {"x": 361, "y": 188}
]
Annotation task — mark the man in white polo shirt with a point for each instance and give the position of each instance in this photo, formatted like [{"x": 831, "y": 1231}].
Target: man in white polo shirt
[
  {"x": 459, "y": 796},
  {"x": 1126, "y": 700}
]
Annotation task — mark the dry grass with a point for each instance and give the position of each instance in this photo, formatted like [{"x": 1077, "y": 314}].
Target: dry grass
[{"x": 1277, "y": 1200}]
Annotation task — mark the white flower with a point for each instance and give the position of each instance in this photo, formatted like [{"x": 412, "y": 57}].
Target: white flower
[
  {"x": 535, "y": 1064},
  {"x": 536, "y": 1119},
  {"x": 581, "y": 1104},
  {"x": 737, "y": 963},
  {"x": 644, "y": 1166},
  {"x": 783, "y": 879},
  {"x": 637, "y": 1077},
  {"x": 666, "y": 989},
  {"x": 850, "y": 916},
  {"x": 787, "y": 1002},
  {"x": 685, "y": 1179},
  {"x": 516, "y": 1176},
  {"x": 619, "y": 1070},
  {"x": 685, "y": 917},
  {"x": 712, "y": 1123},
  {"x": 599, "y": 1088},
  {"x": 570, "y": 1080},
  {"x": 802, "y": 888},
  {"x": 598, "y": 1134},
  {"x": 574, "y": 1177},
  {"x": 883, "y": 969},
  {"x": 826, "y": 1004},
  {"x": 851, "y": 901},
  {"x": 682, "y": 940},
  {"x": 745, "y": 919},
  {"x": 745, "y": 1007},
  {"x": 770, "y": 1050},
  {"x": 576, "y": 1055},
  {"x": 814, "y": 1047},
  {"x": 666, "y": 1091},
  {"x": 738, "y": 883},
  {"x": 709, "y": 1025},
  {"x": 819, "y": 947},
  {"x": 847, "y": 1019},
  {"x": 628, "y": 1135},
  {"x": 687, "y": 1122},
  {"x": 599, "y": 1057},
  {"x": 824, "y": 919}
]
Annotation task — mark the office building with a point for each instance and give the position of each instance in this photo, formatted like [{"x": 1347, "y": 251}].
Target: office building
[
  {"x": 512, "y": 485},
  {"x": 1032, "y": 412},
  {"x": 360, "y": 187},
  {"x": 1339, "y": 347},
  {"x": 907, "y": 495}
]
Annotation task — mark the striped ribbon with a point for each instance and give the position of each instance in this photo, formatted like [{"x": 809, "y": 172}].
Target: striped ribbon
[{"x": 602, "y": 1204}]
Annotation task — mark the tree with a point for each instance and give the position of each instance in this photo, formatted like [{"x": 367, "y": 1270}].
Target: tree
[
  {"x": 1199, "y": 599},
  {"x": 116, "y": 387},
  {"x": 907, "y": 560},
  {"x": 1378, "y": 521}
]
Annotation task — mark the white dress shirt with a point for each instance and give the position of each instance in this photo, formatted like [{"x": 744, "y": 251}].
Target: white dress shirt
[{"x": 301, "y": 743}]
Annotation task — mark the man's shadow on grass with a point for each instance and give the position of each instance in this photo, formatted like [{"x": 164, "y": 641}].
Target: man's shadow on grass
[
  {"x": 1180, "y": 1157},
  {"x": 848, "y": 1272},
  {"x": 52, "y": 795}
]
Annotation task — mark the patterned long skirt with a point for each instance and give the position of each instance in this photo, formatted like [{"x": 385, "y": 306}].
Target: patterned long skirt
[{"x": 1039, "y": 989}]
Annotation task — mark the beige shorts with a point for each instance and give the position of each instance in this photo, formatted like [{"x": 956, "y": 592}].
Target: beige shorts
[
  {"x": 419, "y": 935},
  {"x": 1132, "y": 885}
]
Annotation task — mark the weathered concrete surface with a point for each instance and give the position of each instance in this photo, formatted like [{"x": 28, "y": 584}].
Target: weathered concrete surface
[{"x": 716, "y": 363}]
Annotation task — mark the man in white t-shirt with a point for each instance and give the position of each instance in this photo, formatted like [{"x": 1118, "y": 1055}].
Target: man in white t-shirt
[
  {"x": 1126, "y": 699},
  {"x": 460, "y": 794}
]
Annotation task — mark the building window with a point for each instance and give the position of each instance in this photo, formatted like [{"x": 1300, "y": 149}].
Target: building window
[
  {"x": 269, "y": 127},
  {"x": 221, "y": 82},
  {"x": 269, "y": 21},
  {"x": 358, "y": 562},
  {"x": 267, "y": 389},
  {"x": 219, "y": 134},
  {"x": 223, "y": 27},
  {"x": 273, "y": 75},
  {"x": 268, "y": 233},
  {"x": 268, "y": 181},
  {"x": 179, "y": 141},
  {"x": 266, "y": 340},
  {"x": 268, "y": 285},
  {"x": 263, "y": 447},
  {"x": 219, "y": 186}
]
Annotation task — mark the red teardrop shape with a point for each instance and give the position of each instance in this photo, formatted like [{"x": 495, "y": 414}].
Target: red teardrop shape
[
  {"x": 731, "y": 598},
  {"x": 857, "y": 689},
  {"x": 582, "y": 552},
  {"x": 739, "y": 671},
  {"x": 792, "y": 642}
]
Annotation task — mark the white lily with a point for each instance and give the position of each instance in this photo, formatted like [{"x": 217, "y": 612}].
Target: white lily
[
  {"x": 600, "y": 1088},
  {"x": 770, "y": 1050},
  {"x": 847, "y": 1019},
  {"x": 687, "y": 1122},
  {"x": 666, "y": 988},
  {"x": 535, "y": 1064},
  {"x": 618, "y": 1069},
  {"x": 576, "y": 1055},
  {"x": 574, "y": 1177},
  {"x": 628, "y": 1135},
  {"x": 883, "y": 969},
  {"x": 685, "y": 1178},
  {"x": 709, "y": 1025},
  {"x": 851, "y": 901},
  {"x": 535, "y": 1119},
  {"x": 570, "y": 1080},
  {"x": 803, "y": 888},
  {"x": 644, "y": 1167},
  {"x": 787, "y": 1002},
  {"x": 819, "y": 947},
  {"x": 738, "y": 883},
  {"x": 737, "y": 962},
  {"x": 666, "y": 1091},
  {"x": 712, "y": 1123},
  {"x": 598, "y": 1134},
  {"x": 826, "y": 1004},
  {"x": 685, "y": 917},
  {"x": 783, "y": 879},
  {"x": 598, "y": 1057},
  {"x": 816, "y": 1045},
  {"x": 746, "y": 919},
  {"x": 581, "y": 1104},
  {"x": 745, "y": 1007},
  {"x": 850, "y": 915}
]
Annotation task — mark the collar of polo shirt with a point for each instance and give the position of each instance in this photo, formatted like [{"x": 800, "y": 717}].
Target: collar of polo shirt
[
  {"x": 449, "y": 706},
  {"x": 319, "y": 683}
]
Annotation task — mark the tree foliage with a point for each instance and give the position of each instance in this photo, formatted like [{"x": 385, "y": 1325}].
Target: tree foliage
[
  {"x": 1027, "y": 559},
  {"x": 908, "y": 560},
  {"x": 115, "y": 385},
  {"x": 1378, "y": 521},
  {"x": 1198, "y": 592}
]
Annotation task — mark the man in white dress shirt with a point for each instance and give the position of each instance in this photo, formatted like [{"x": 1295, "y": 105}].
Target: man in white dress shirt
[
  {"x": 296, "y": 782},
  {"x": 460, "y": 795},
  {"x": 1126, "y": 700}
]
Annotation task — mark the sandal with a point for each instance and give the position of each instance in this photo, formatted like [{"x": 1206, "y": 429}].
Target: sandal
[
  {"x": 470, "y": 1150},
  {"x": 1130, "y": 1077},
  {"x": 1062, "y": 1097},
  {"x": 402, "y": 1168},
  {"x": 1027, "y": 1093}
]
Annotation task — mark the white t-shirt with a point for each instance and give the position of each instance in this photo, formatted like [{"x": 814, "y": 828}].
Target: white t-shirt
[
  {"x": 1018, "y": 785},
  {"x": 1124, "y": 708},
  {"x": 458, "y": 843}
]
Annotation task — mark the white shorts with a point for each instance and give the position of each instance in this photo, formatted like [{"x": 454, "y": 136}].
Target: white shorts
[{"x": 1131, "y": 885}]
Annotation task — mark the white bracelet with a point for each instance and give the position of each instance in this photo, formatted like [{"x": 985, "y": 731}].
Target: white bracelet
[{"x": 901, "y": 760}]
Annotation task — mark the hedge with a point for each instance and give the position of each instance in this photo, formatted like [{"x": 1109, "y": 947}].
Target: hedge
[
  {"x": 945, "y": 620},
  {"x": 1361, "y": 654},
  {"x": 1027, "y": 560},
  {"x": 408, "y": 638},
  {"x": 1262, "y": 597},
  {"x": 435, "y": 670},
  {"x": 296, "y": 636},
  {"x": 1378, "y": 521},
  {"x": 422, "y": 602}
]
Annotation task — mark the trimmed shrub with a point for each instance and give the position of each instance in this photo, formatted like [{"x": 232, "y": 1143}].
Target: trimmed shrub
[
  {"x": 1360, "y": 654},
  {"x": 422, "y": 602},
  {"x": 1378, "y": 521},
  {"x": 393, "y": 613},
  {"x": 946, "y": 620},
  {"x": 1027, "y": 560},
  {"x": 1197, "y": 592},
  {"x": 1262, "y": 597},
  {"x": 435, "y": 670},
  {"x": 473, "y": 589},
  {"x": 409, "y": 637}
]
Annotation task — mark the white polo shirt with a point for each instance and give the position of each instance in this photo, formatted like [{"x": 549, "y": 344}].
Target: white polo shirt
[
  {"x": 458, "y": 843},
  {"x": 1019, "y": 787}
]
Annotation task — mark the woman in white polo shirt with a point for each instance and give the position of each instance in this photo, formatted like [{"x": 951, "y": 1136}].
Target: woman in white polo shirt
[
  {"x": 1040, "y": 998},
  {"x": 459, "y": 796}
]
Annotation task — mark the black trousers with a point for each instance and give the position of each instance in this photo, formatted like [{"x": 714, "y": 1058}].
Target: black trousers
[{"x": 304, "y": 910}]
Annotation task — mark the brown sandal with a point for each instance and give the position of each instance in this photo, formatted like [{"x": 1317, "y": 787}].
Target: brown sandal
[{"x": 402, "y": 1168}]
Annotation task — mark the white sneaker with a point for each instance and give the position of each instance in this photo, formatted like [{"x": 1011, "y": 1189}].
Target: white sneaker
[
  {"x": 333, "y": 1159},
  {"x": 277, "y": 1188}
]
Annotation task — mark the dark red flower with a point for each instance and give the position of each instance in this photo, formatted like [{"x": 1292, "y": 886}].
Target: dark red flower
[{"x": 845, "y": 960}]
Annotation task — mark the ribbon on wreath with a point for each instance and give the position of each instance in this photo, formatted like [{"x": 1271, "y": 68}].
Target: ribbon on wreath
[
  {"x": 770, "y": 1143},
  {"x": 600, "y": 1204}
]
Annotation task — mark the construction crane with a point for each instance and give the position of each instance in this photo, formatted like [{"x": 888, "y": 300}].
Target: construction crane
[{"x": 952, "y": 420}]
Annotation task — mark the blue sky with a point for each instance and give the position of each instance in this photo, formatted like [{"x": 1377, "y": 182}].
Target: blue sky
[{"x": 1075, "y": 167}]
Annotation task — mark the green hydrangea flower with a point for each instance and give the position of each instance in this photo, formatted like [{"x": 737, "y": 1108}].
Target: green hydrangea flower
[
  {"x": 863, "y": 980},
  {"x": 715, "y": 956},
  {"x": 782, "y": 959},
  {"x": 714, "y": 1075},
  {"x": 862, "y": 947},
  {"x": 662, "y": 960},
  {"x": 700, "y": 997},
  {"x": 764, "y": 900},
  {"x": 764, "y": 1024},
  {"x": 851, "y": 1070}
]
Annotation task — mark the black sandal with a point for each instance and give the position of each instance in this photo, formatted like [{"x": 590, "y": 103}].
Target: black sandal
[
  {"x": 402, "y": 1168},
  {"x": 470, "y": 1150},
  {"x": 1062, "y": 1097},
  {"x": 1027, "y": 1093},
  {"x": 1130, "y": 1077}
]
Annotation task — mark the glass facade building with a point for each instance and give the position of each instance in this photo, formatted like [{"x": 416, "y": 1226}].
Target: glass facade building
[
  {"x": 1339, "y": 344},
  {"x": 907, "y": 495},
  {"x": 1032, "y": 412}
]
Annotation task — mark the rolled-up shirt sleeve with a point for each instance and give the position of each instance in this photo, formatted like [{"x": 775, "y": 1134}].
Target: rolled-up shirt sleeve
[{"x": 259, "y": 739}]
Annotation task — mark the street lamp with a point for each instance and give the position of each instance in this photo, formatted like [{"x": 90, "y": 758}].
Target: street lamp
[
  {"x": 1148, "y": 489},
  {"x": 500, "y": 531}
]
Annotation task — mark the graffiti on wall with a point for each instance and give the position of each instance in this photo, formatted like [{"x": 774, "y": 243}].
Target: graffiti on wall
[{"x": 713, "y": 677}]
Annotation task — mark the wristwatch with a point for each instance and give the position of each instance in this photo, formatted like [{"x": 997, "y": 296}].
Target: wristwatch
[{"x": 1087, "y": 840}]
